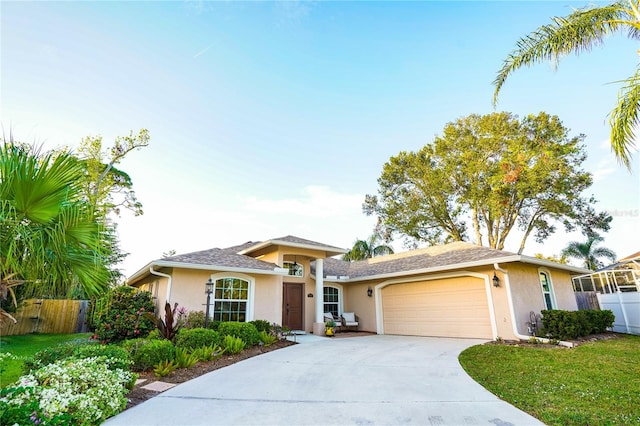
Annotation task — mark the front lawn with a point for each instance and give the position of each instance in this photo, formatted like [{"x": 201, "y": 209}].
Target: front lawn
[
  {"x": 595, "y": 383},
  {"x": 27, "y": 345}
]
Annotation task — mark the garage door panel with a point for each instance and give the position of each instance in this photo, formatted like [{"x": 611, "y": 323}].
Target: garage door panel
[{"x": 453, "y": 307}]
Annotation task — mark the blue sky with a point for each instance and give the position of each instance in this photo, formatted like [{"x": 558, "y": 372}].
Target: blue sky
[{"x": 268, "y": 119}]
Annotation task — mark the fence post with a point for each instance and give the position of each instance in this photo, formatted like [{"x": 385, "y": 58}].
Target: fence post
[{"x": 624, "y": 312}]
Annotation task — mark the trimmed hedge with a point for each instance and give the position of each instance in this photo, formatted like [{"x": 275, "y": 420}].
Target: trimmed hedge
[
  {"x": 560, "y": 324},
  {"x": 146, "y": 353},
  {"x": 262, "y": 325},
  {"x": 194, "y": 338},
  {"x": 243, "y": 330},
  {"x": 120, "y": 358}
]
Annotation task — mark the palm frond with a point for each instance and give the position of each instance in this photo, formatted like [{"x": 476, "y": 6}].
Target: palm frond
[
  {"x": 578, "y": 32},
  {"x": 624, "y": 120}
]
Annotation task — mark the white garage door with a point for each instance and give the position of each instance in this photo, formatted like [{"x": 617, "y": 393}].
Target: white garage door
[{"x": 452, "y": 307}]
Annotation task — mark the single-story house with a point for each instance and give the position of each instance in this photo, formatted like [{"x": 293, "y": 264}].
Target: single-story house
[{"x": 452, "y": 290}]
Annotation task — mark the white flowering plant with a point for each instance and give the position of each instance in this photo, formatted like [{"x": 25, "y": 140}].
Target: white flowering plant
[{"x": 71, "y": 391}]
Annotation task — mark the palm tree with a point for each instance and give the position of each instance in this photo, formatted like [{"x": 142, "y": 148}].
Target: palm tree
[
  {"x": 588, "y": 253},
  {"x": 50, "y": 238},
  {"x": 579, "y": 32},
  {"x": 362, "y": 249}
]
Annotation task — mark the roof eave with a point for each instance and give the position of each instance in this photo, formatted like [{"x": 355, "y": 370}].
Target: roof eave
[
  {"x": 465, "y": 265},
  {"x": 331, "y": 251},
  {"x": 199, "y": 266}
]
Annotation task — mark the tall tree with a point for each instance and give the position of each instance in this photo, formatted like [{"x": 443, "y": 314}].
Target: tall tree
[
  {"x": 486, "y": 175},
  {"x": 366, "y": 249},
  {"x": 588, "y": 253},
  {"x": 108, "y": 188},
  {"x": 579, "y": 32},
  {"x": 50, "y": 237}
]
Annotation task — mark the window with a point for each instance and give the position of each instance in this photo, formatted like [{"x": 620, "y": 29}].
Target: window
[
  {"x": 295, "y": 269},
  {"x": 230, "y": 299},
  {"x": 331, "y": 300},
  {"x": 547, "y": 290}
]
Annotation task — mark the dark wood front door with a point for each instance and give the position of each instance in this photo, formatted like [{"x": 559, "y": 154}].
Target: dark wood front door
[{"x": 292, "y": 299}]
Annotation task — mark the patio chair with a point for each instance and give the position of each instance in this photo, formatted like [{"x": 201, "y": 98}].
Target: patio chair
[
  {"x": 328, "y": 316},
  {"x": 349, "y": 319}
]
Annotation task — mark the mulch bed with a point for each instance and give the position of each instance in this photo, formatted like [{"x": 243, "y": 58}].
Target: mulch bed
[
  {"x": 138, "y": 395},
  {"x": 576, "y": 342}
]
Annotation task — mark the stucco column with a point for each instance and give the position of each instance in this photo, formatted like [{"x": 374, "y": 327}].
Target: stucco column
[{"x": 318, "y": 325}]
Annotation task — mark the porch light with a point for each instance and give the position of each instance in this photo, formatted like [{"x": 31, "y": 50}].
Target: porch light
[
  {"x": 496, "y": 280},
  {"x": 208, "y": 288},
  {"x": 369, "y": 292}
]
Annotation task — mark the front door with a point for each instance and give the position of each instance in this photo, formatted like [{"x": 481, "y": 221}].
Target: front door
[{"x": 292, "y": 299}]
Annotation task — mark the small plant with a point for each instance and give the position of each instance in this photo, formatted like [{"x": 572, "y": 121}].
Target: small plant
[
  {"x": 164, "y": 368},
  {"x": 499, "y": 339},
  {"x": 172, "y": 322},
  {"x": 267, "y": 339},
  {"x": 534, "y": 340},
  {"x": 208, "y": 353},
  {"x": 243, "y": 330},
  {"x": 330, "y": 324},
  {"x": 280, "y": 331},
  {"x": 233, "y": 345},
  {"x": 184, "y": 359}
]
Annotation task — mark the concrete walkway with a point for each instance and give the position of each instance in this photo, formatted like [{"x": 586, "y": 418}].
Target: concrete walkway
[{"x": 373, "y": 380}]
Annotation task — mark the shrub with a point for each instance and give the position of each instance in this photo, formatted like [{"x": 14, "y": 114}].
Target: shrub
[
  {"x": 561, "y": 324},
  {"x": 267, "y": 339},
  {"x": 118, "y": 357},
  {"x": 147, "y": 353},
  {"x": 76, "y": 391},
  {"x": 233, "y": 345},
  {"x": 262, "y": 325},
  {"x": 195, "y": 319},
  {"x": 197, "y": 337},
  {"x": 52, "y": 354},
  {"x": 600, "y": 320},
  {"x": 243, "y": 330},
  {"x": 119, "y": 315}
]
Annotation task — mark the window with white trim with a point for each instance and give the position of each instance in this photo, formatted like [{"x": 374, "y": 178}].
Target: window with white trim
[
  {"x": 547, "y": 290},
  {"x": 331, "y": 300},
  {"x": 295, "y": 269},
  {"x": 231, "y": 296}
]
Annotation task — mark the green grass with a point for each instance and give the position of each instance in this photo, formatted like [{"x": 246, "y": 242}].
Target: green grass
[
  {"x": 595, "y": 383},
  {"x": 27, "y": 345}
]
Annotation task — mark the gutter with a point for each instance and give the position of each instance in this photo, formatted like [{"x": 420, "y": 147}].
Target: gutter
[{"x": 160, "y": 274}]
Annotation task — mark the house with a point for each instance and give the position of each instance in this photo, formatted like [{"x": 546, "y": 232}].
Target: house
[{"x": 453, "y": 290}]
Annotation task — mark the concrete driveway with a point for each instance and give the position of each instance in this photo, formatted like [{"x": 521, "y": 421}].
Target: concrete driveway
[{"x": 373, "y": 380}]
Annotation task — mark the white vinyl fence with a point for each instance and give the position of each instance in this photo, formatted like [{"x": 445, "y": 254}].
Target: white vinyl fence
[{"x": 626, "y": 308}]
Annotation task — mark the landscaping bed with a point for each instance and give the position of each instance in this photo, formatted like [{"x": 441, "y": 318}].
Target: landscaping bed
[{"x": 139, "y": 395}]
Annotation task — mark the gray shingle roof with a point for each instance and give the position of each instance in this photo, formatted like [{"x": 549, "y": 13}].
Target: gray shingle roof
[
  {"x": 221, "y": 257},
  {"x": 432, "y": 257}
]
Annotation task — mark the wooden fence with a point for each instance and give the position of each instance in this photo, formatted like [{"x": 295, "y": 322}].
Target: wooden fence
[
  {"x": 587, "y": 300},
  {"x": 47, "y": 316}
]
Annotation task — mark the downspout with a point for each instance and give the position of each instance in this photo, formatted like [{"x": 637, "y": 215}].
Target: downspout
[
  {"x": 507, "y": 284},
  {"x": 160, "y": 274}
]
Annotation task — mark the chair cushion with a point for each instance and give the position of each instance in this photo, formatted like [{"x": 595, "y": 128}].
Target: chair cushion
[{"x": 349, "y": 316}]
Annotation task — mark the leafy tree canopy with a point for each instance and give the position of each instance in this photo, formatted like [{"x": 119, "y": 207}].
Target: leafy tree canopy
[
  {"x": 484, "y": 176},
  {"x": 577, "y": 33}
]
